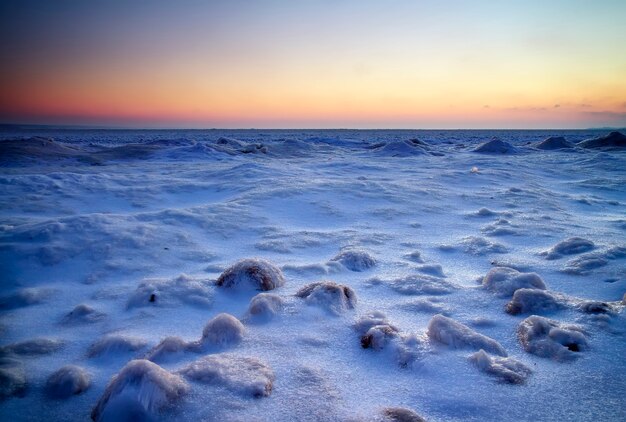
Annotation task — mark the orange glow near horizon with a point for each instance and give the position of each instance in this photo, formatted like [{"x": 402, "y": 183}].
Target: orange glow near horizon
[{"x": 311, "y": 66}]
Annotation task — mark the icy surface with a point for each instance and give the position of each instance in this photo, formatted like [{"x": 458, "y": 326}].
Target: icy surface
[{"x": 121, "y": 245}]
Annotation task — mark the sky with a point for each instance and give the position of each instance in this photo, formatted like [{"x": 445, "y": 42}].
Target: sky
[{"x": 314, "y": 64}]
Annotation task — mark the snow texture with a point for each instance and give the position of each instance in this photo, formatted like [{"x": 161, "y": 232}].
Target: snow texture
[
  {"x": 246, "y": 376},
  {"x": 505, "y": 281},
  {"x": 67, "y": 381},
  {"x": 138, "y": 392},
  {"x": 251, "y": 274},
  {"x": 455, "y": 335},
  {"x": 548, "y": 338},
  {"x": 505, "y": 369},
  {"x": 418, "y": 284}
]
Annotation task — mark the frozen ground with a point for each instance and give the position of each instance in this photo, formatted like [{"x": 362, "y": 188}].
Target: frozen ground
[{"x": 112, "y": 244}]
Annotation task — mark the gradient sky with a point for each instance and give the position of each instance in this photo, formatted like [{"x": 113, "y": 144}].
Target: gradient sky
[{"x": 314, "y": 64}]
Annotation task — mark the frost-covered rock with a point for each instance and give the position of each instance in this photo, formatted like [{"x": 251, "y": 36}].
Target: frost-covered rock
[
  {"x": 182, "y": 289},
  {"x": 264, "y": 307},
  {"x": 12, "y": 378},
  {"x": 571, "y": 246},
  {"x": 400, "y": 414},
  {"x": 329, "y": 295},
  {"x": 67, "y": 381},
  {"x": 505, "y": 281},
  {"x": 223, "y": 330},
  {"x": 418, "y": 284},
  {"x": 355, "y": 259},
  {"x": 455, "y": 335},
  {"x": 34, "y": 347},
  {"x": 548, "y": 338},
  {"x": 415, "y": 256},
  {"x": 554, "y": 142},
  {"x": 83, "y": 314},
  {"x": 534, "y": 301},
  {"x": 166, "y": 348},
  {"x": 139, "y": 392},
  {"x": 378, "y": 334},
  {"x": 496, "y": 146},
  {"x": 115, "y": 343},
  {"x": 252, "y": 274},
  {"x": 612, "y": 140},
  {"x": 595, "y": 307},
  {"x": 246, "y": 376},
  {"x": 506, "y": 369}
]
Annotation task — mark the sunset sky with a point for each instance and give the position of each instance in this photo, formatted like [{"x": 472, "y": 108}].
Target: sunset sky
[{"x": 314, "y": 64}]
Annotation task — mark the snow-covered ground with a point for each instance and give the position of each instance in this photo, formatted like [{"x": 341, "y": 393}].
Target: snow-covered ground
[{"x": 427, "y": 247}]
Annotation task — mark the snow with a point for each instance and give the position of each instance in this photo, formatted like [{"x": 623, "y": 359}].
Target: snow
[
  {"x": 554, "y": 143},
  {"x": 113, "y": 246},
  {"x": 67, "y": 381},
  {"x": 612, "y": 140}
]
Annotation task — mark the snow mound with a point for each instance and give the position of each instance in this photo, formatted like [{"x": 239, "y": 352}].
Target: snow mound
[
  {"x": 329, "y": 295},
  {"x": 25, "y": 297},
  {"x": 612, "y": 140},
  {"x": 114, "y": 343},
  {"x": 400, "y": 414},
  {"x": 12, "y": 378},
  {"x": 534, "y": 301},
  {"x": 571, "y": 246},
  {"x": 479, "y": 246},
  {"x": 223, "y": 330},
  {"x": 554, "y": 142},
  {"x": 408, "y": 148},
  {"x": 507, "y": 370},
  {"x": 418, "y": 284},
  {"x": 138, "y": 392},
  {"x": 435, "y": 270},
  {"x": 252, "y": 273},
  {"x": 496, "y": 146},
  {"x": 83, "y": 314},
  {"x": 167, "y": 347},
  {"x": 36, "y": 148},
  {"x": 548, "y": 338},
  {"x": 455, "y": 335},
  {"x": 415, "y": 256},
  {"x": 67, "y": 381},
  {"x": 429, "y": 305},
  {"x": 167, "y": 293},
  {"x": 505, "y": 281},
  {"x": 595, "y": 307},
  {"x": 584, "y": 264},
  {"x": 34, "y": 347},
  {"x": 355, "y": 259},
  {"x": 246, "y": 376},
  {"x": 264, "y": 307}
]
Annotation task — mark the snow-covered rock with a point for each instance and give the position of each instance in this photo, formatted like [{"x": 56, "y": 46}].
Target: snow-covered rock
[
  {"x": 534, "y": 301},
  {"x": 67, "y": 381},
  {"x": 83, "y": 314},
  {"x": 612, "y": 140},
  {"x": 400, "y": 414},
  {"x": 172, "y": 292},
  {"x": 139, "y": 392},
  {"x": 570, "y": 246},
  {"x": 113, "y": 344},
  {"x": 505, "y": 369},
  {"x": 548, "y": 338},
  {"x": 554, "y": 142},
  {"x": 264, "y": 307},
  {"x": 34, "y": 347},
  {"x": 355, "y": 259},
  {"x": 329, "y": 295},
  {"x": 455, "y": 335},
  {"x": 252, "y": 274},
  {"x": 222, "y": 330},
  {"x": 505, "y": 281},
  {"x": 12, "y": 378}
]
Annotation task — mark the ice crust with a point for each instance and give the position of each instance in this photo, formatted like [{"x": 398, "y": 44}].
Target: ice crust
[{"x": 94, "y": 223}]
